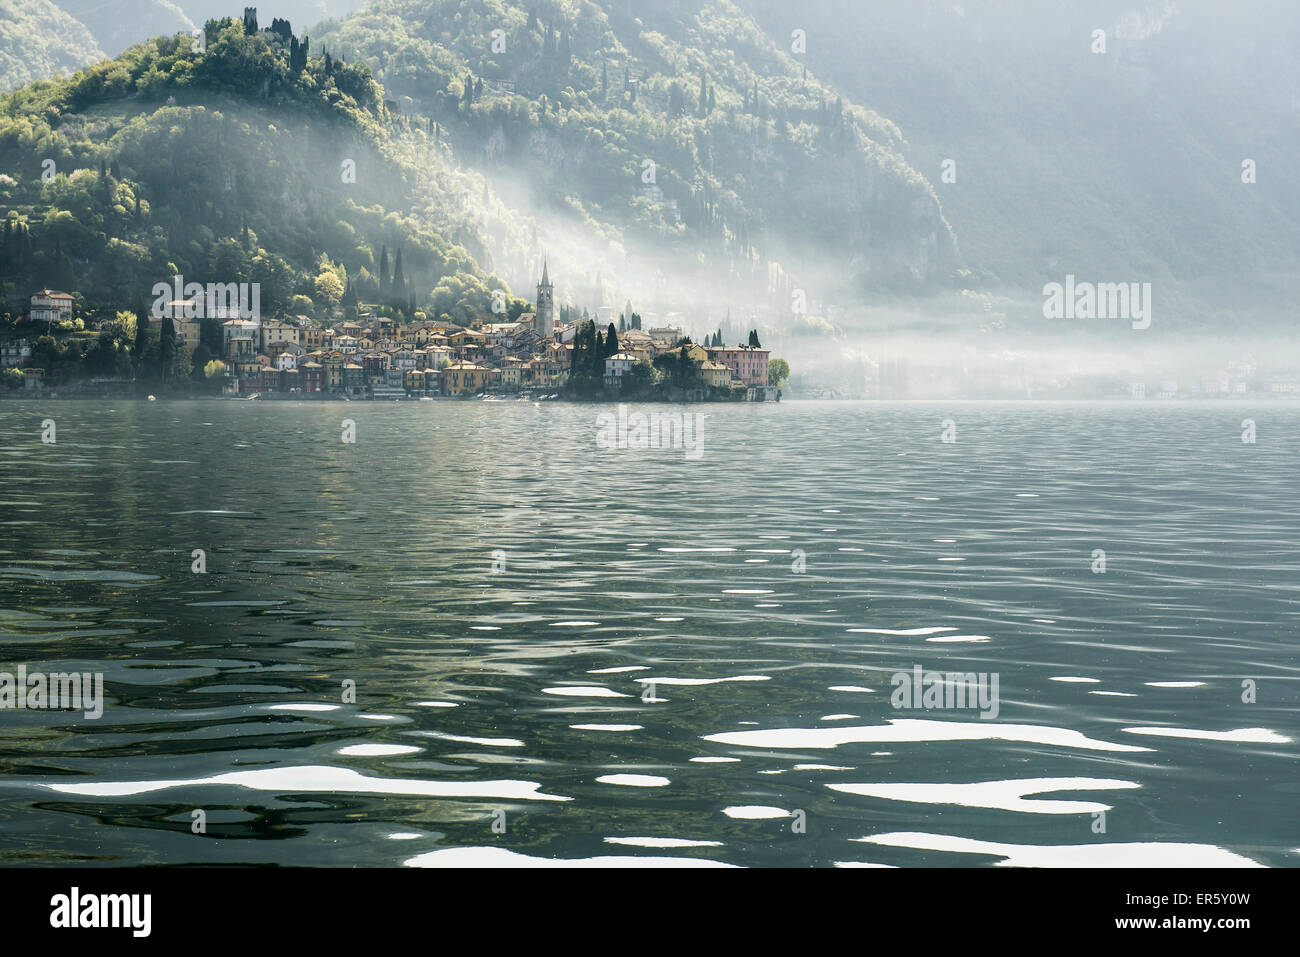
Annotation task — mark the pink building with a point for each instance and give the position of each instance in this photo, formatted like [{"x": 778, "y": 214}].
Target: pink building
[{"x": 747, "y": 363}]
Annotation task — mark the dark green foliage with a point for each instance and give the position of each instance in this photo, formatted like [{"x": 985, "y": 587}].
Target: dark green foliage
[{"x": 222, "y": 166}]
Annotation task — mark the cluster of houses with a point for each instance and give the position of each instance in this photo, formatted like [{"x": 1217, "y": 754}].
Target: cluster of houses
[{"x": 377, "y": 357}]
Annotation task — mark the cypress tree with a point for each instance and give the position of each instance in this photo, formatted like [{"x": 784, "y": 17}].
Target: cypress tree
[
  {"x": 141, "y": 336},
  {"x": 166, "y": 346}
]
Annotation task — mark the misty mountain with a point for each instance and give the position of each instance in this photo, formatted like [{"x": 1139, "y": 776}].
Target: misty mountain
[
  {"x": 1121, "y": 165},
  {"x": 678, "y": 132},
  {"x": 38, "y": 41},
  {"x": 118, "y": 24}
]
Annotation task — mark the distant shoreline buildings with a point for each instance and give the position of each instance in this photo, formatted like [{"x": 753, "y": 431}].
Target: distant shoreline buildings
[{"x": 374, "y": 356}]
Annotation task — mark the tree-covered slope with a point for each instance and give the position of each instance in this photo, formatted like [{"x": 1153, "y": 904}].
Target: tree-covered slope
[
  {"x": 251, "y": 161},
  {"x": 679, "y": 126},
  {"x": 38, "y": 41}
]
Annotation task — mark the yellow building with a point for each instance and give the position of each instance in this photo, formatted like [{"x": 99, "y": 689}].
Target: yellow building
[
  {"x": 465, "y": 378},
  {"x": 332, "y": 364},
  {"x": 512, "y": 372},
  {"x": 275, "y": 333},
  {"x": 716, "y": 375}
]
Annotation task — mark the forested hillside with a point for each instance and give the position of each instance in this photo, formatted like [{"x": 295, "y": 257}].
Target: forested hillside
[
  {"x": 38, "y": 41},
  {"x": 678, "y": 126},
  {"x": 255, "y": 160}
]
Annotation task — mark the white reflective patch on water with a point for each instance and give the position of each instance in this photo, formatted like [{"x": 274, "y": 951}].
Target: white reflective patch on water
[
  {"x": 860, "y": 864},
  {"x": 998, "y": 795},
  {"x": 660, "y": 842},
  {"x": 606, "y": 727},
  {"x": 838, "y": 717},
  {"x": 916, "y": 729},
  {"x": 635, "y": 780},
  {"x": 404, "y": 836},
  {"x": 1244, "y": 735},
  {"x": 572, "y": 624},
  {"x": 958, "y": 639},
  {"x": 854, "y": 688},
  {"x": 703, "y": 681},
  {"x": 468, "y": 739},
  {"x": 707, "y": 760},
  {"x": 1149, "y": 854},
  {"x": 821, "y": 767},
  {"x": 755, "y": 812},
  {"x": 436, "y": 704},
  {"x": 585, "y": 691},
  {"x": 899, "y": 631},
  {"x": 500, "y": 857},
  {"x": 317, "y": 779},
  {"x": 621, "y": 668},
  {"x": 1079, "y": 681},
  {"x": 377, "y": 750},
  {"x": 304, "y": 707},
  {"x": 1175, "y": 684}
]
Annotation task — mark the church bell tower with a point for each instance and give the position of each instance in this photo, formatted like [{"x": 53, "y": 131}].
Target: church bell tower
[{"x": 545, "y": 305}]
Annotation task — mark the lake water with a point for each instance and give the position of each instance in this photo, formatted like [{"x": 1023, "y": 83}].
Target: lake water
[{"x": 563, "y": 653}]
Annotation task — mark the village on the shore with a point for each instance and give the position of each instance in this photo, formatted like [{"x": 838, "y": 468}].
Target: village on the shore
[{"x": 381, "y": 357}]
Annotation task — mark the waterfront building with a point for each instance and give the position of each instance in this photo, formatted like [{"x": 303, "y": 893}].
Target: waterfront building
[
  {"x": 748, "y": 363},
  {"x": 312, "y": 376},
  {"x": 465, "y": 378},
  {"x": 15, "y": 353},
  {"x": 616, "y": 366}
]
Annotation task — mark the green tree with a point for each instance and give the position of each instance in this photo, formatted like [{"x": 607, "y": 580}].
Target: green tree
[
  {"x": 141, "y": 346},
  {"x": 166, "y": 347},
  {"x": 778, "y": 372},
  {"x": 329, "y": 290}
]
